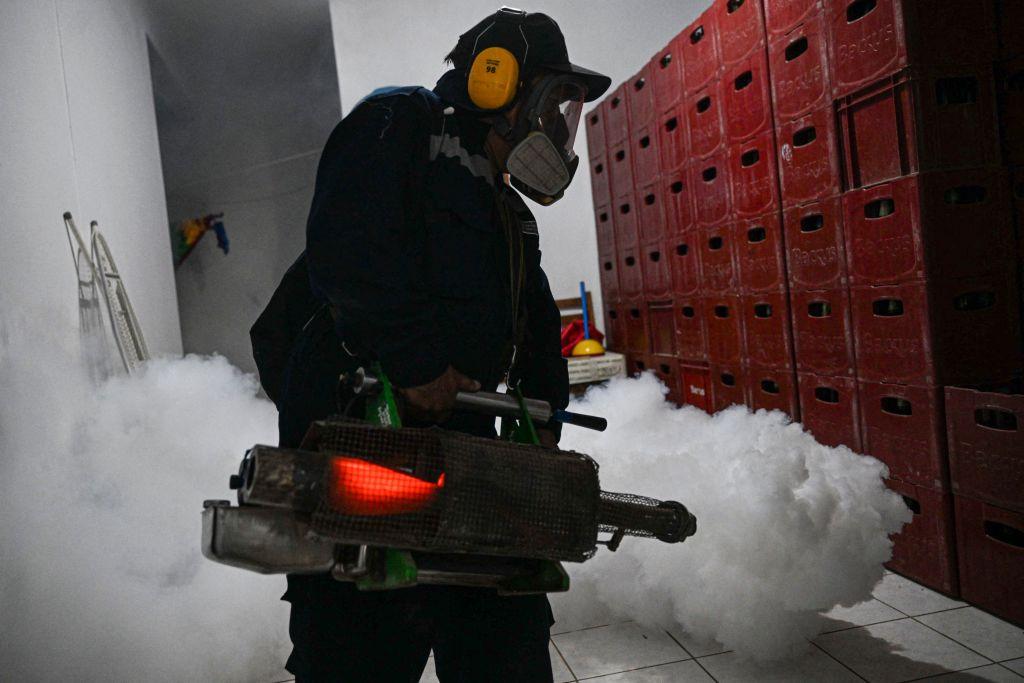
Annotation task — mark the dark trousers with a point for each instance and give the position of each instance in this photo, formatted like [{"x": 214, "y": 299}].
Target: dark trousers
[{"x": 342, "y": 634}]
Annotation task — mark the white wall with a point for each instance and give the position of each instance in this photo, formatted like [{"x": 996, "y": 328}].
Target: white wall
[
  {"x": 78, "y": 133},
  {"x": 246, "y": 97},
  {"x": 403, "y": 42}
]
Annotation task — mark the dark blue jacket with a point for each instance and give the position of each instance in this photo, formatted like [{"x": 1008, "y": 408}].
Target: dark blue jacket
[{"x": 405, "y": 243}]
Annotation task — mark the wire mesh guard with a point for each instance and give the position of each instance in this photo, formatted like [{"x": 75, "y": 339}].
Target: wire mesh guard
[{"x": 437, "y": 491}]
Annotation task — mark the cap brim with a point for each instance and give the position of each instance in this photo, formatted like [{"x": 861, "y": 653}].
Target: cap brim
[{"x": 597, "y": 84}]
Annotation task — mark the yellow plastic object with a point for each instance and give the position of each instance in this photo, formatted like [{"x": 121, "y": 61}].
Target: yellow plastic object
[
  {"x": 588, "y": 347},
  {"x": 493, "y": 78}
]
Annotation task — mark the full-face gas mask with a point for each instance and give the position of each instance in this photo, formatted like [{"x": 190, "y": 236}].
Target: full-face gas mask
[{"x": 542, "y": 162}]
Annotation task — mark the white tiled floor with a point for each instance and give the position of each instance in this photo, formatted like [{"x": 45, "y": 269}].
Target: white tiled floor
[{"x": 906, "y": 633}]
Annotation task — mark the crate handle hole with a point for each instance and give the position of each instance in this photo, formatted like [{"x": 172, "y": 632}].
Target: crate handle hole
[
  {"x": 994, "y": 418},
  {"x": 703, "y": 104},
  {"x": 887, "y": 308},
  {"x": 616, "y": 102},
  {"x": 604, "y": 216},
  {"x": 655, "y": 256},
  {"x": 697, "y": 35},
  {"x": 630, "y": 261},
  {"x": 665, "y": 369},
  {"x": 613, "y": 314},
  {"x": 645, "y": 142},
  {"x": 819, "y": 309},
  {"x": 914, "y": 505},
  {"x": 715, "y": 243},
  {"x": 762, "y": 310},
  {"x": 608, "y": 265},
  {"x": 796, "y": 48},
  {"x": 624, "y": 209},
  {"x": 858, "y": 9},
  {"x": 974, "y": 301},
  {"x": 744, "y": 80},
  {"x": 639, "y": 84},
  {"x": 634, "y": 313},
  {"x": 894, "y": 405},
  {"x": 750, "y": 158},
  {"x": 826, "y": 394},
  {"x": 966, "y": 194},
  {"x": 728, "y": 379},
  {"x": 721, "y": 311},
  {"x": 1004, "y": 533},
  {"x": 688, "y": 312},
  {"x": 956, "y": 90},
  {"x": 682, "y": 249},
  {"x": 620, "y": 155},
  {"x": 770, "y": 386},
  {"x": 804, "y": 137},
  {"x": 812, "y": 223},
  {"x": 594, "y": 119},
  {"x": 733, "y": 5},
  {"x": 641, "y": 366},
  {"x": 649, "y": 199},
  {"x": 676, "y": 187},
  {"x": 599, "y": 168},
  {"x": 671, "y": 124},
  {"x": 709, "y": 174},
  {"x": 758, "y": 234},
  {"x": 880, "y": 208},
  {"x": 665, "y": 60}
]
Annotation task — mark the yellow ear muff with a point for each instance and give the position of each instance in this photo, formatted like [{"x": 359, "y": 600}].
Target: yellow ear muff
[{"x": 493, "y": 78}]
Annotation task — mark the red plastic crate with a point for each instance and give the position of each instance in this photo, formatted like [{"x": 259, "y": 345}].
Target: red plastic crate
[
  {"x": 945, "y": 225},
  {"x": 940, "y": 332},
  {"x": 672, "y": 142},
  {"x": 990, "y": 541},
  {"x": 636, "y": 364},
  {"x": 925, "y": 550},
  {"x": 600, "y": 185},
  {"x": 614, "y": 324},
  {"x": 809, "y": 158},
  {"x": 640, "y": 98},
  {"x": 650, "y": 204},
  {"x": 759, "y": 254},
  {"x": 666, "y": 369},
  {"x": 696, "y": 386},
  {"x": 609, "y": 273},
  {"x": 724, "y": 316},
  {"x": 1010, "y": 25},
  {"x": 817, "y": 249},
  {"x": 746, "y": 97},
  {"x": 704, "y": 119},
  {"x": 830, "y": 409},
  {"x": 657, "y": 270},
  {"x": 740, "y": 28},
  {"x": 823, "y": 332},
  {"x": 638, "y": 339},
  {"x": 1011, "y": 107},
  {"x": 646, "y": 156},
  {"x": 631, "y": 279},
  {"x": 870, "y": 39},
  {"x": 691, "y": 333},
  {"x": 620, "y": 161},
  {"x": 718, "y": 260},
  {"x": 709, "y": 185},
  {"x": 766, "y": 330},
  {"x": 919, "y": 120},
  {"x": 678, "y": 199},
  {"x": 771, "y": 389},
  {"x": 683, "y": 252},
  {"x": 699, "y": 47},
  {"x": 626, "y": 222},
  {"x": 728, "y": 385},
  {"x": 616, "y": 117},
  {"x": 799, "y": 69},
  {"x": 986, "y": 446},
  {"x": 662, "y": 325},
  {"x": 754, "y": 176},
  {"x": 605, "y": 229},
  {"x": 782, "y": 16},
  {"x": 666, "y": 69},
  {"x": 596, "y": 146},
  {"x": 903, "y": 426}
]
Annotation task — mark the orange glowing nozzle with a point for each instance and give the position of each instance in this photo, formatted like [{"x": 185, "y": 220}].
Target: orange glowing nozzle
[{"x": 359, "y": 487}]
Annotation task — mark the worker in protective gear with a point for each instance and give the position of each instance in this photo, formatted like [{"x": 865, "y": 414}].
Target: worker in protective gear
[{"x": 426, "y": 260}]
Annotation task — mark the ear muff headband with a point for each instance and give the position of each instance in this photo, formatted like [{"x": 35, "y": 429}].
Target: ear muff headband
[{"x": 493, "y": 78}]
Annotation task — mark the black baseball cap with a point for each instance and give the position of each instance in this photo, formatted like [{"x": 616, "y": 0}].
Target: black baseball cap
[{"x": 534, "y": 39}]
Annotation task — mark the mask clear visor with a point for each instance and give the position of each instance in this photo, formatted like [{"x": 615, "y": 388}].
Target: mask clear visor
[{"x": 558, "y": 113}]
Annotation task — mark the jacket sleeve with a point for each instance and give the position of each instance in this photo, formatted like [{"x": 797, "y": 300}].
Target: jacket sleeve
[
  {"x": 365, "y": 236},
  {"x": 544, "y": 373}
]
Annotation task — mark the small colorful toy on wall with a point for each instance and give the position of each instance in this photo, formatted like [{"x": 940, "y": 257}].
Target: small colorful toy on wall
[{"x": 185, "y": 235}]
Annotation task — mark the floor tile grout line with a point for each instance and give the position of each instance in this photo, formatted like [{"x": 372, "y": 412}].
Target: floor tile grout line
[
  {"x": 1008, "y": 668},
  {"x": 989, "y": 659},
  {"x": 837, "y": 660},
  {"x": 889, "y": 606},
  {"x": 958, "y": 671},
  {"x": 694, "y": 657},
  {"x": 639, "y": 668},
  {"x": 565, "y": 661},
  {"x": 855, "y": 626}
]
